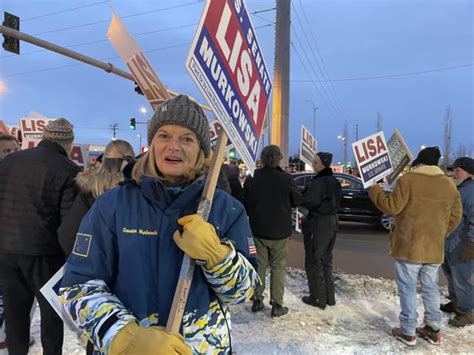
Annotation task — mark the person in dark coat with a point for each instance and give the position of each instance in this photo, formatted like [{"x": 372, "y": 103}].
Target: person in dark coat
[
  {"x": 37, "y": 189},
  {"x": 232, "y": 172},
  {"x": 93, "y": 183},
  {"x": 322, "y": 198},
  {"x": 269, "y": 196}
]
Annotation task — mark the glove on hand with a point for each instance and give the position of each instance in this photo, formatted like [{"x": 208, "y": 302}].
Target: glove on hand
[
  {"x": 133, "y": 339},
  {"x": 200, "y": 241},
  {"x": 468, "y": 254}
]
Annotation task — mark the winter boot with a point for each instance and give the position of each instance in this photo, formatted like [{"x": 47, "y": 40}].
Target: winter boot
[
  {"x": 429, "y": 334},
  {"x": 409, "y": 340},
  {"x": 312, "y": 302},
  {"x": 450, "y": 307},
  {"x": 461, "y": 320},
  {"x": 257, "y": 305},
  {"x": 278, "y": 310}
]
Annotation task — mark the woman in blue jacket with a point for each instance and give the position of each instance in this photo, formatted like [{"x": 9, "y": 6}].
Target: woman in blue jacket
[{"x": 121, "y": 276}]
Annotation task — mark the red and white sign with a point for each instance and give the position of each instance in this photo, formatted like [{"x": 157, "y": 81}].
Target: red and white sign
[
  {"x": 132, "y": 55},
  {"x": 32, "y": 131},
  {"x": 79, "y": 154},
  {"x": 226, "y": 63},
  {"x": 214, "y": 129},
  {"x": 308, "y": 146},
  {"x": 372, "y": 158}
]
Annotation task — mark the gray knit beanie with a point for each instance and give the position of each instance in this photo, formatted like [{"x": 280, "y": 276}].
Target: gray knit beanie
[
  {"x": 182, "y": 111},
  {"x": 60, "y": 131}
]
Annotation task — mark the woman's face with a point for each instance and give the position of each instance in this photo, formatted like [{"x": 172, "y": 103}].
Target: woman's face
[
  {"x": 176, "y": 152},
  {"x": 317, "y": 165}
]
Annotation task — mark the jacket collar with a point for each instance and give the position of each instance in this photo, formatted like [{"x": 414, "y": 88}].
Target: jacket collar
[
  {"x": 157, "y": 193},
  {"x": 466, "y": 182},
  {"x": 324, "y": 172},
  {"x": 52, "y": 146},
  {"x": 428, "y": 170}
]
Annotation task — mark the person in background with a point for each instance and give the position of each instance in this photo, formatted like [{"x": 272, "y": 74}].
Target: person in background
[
  {"x": 93, "y": 183},
  {"x": 322, "y": 198},
  {"x": 37, "y": 189},
  {"x": 232, "y": 172},
  {"x": 8, "y": 145},
  {"x": 121, "y": 276},
  {"x": 427, "y": 209},
  {"x": 269, "y": 196},
  {"x": 459, "y": 250}
]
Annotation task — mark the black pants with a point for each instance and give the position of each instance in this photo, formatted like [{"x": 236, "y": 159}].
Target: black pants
[
  {"x": 21, "y": 277},
  {"x": 319, "y": 240}
]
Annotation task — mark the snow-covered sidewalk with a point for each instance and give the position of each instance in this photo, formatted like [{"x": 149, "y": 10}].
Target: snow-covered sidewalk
[{"x": 360, "y": 323}]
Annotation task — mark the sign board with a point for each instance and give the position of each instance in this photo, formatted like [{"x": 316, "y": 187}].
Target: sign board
[
  {"x": 400, "y": 155},
  {"x": 50, "y": 291},
  {"x": 79, "y": 154},
  {"x": 214, "y": 129},
  {"x": 132, "y": 55},
  {"x": 299, "y": 216},
  {"x": 3, "y": 128},
  {"x": 226, "y": 63},
  {"x": 308, "y": 146},
  {"x": 32, "y": 131},
  {"x": 372, "y": 158}
]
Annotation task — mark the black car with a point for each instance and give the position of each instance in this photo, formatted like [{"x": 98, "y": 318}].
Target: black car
[{"x": 356, "y": 205}]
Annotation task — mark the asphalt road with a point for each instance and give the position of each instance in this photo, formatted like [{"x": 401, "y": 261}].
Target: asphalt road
[{"x": 360, "y": 249}]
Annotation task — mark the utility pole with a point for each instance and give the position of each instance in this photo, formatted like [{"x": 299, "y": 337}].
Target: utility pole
[
  {"x": 379, "y": 122},
  {"x": 448, "y": 127},
  {"x": 356, "y": 131},
  {"x": 114, "y": 128},
  {"x": 314, "y": 117},
  {"x": 345, "y": 145},
  {"x": 281, "y": 93}
]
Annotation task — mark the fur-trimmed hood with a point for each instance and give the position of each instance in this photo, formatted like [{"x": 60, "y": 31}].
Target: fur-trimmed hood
[{"x": 86, "y": 181}]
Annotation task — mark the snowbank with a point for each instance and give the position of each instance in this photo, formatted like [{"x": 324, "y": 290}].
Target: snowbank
[{"x": 360, "y": 323}]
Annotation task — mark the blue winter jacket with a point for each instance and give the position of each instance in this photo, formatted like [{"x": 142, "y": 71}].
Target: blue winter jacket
[
  {"x": 125, "y": 265},
  {"x": 465, "y": 231}
]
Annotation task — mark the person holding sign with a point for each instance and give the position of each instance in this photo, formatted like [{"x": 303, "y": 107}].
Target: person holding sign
[
  {"x": 322, "y": 198},
  {"x": 427, "y": 209},
  {"x": 122, "y": 274}
]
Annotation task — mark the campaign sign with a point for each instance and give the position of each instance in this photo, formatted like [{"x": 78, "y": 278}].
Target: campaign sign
[
  {"x": 308, "y": 146},
  {"x": 372, "y": 158},
  {"x": 214, "y": 129},
  {"x": 79, "y": 154},
  {"x": 400, "y": 155},
  {"x": 227, "y": 65},
  {"x": 32, "y": 131}
]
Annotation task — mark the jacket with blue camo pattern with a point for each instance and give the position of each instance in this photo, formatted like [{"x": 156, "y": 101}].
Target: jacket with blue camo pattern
[{"x": 125, "y": 266}]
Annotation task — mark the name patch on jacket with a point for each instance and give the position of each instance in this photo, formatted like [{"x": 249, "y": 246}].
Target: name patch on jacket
[
  {"x": 82, "y": 244},
  {"x": 139, "y": 231}
]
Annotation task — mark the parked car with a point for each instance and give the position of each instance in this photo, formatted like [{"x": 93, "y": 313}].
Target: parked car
[{"x": 356, "y": 205}]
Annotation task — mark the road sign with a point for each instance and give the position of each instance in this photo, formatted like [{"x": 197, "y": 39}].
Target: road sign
[{"x": 226, "y": 63}]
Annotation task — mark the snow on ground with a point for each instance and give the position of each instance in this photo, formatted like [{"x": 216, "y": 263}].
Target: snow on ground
[{"x": 360, "y": 323}]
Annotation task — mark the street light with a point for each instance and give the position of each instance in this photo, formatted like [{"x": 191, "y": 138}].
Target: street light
[
  {"x": 314, "y": 116},
  {"x": 143, "y": 110},
  {"x": 344, "y": 142}
]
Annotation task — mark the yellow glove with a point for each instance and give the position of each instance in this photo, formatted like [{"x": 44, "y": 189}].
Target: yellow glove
[
  {"x": 133, "y": 339},
  {"x": 200, "y": 241}
]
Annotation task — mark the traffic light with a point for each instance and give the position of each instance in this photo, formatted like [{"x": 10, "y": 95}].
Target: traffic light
[
  {"x": 232, "y": 153},
  {"x": 133, "y": 124},
  {"x": 11, "y": 44}
]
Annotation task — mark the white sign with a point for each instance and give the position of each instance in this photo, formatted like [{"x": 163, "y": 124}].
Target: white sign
[
  {"x": 308, "y": 147},
  {"x": 400, "y": 155},
  {"x": 79, "y": 154},
  {"x": 227, "y": 65},
  {"x": 32, "y": 131},
  {"x": 372, "y": 158}
]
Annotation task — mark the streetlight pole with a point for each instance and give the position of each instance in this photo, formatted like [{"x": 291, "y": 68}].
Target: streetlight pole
[
  {"x": 314, "y": 117},
  {"x": 140, "y": 140}
]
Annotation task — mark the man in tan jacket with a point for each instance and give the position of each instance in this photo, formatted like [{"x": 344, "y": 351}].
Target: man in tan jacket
[{"x": 427, "y": 208}]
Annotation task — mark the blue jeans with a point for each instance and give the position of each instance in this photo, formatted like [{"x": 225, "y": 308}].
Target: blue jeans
[
  {"x": 406, "y": 275},
  {"x": 460, "y": 277}
]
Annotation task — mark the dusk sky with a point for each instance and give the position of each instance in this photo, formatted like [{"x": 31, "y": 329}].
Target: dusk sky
[{"x": 406, "y": 59}]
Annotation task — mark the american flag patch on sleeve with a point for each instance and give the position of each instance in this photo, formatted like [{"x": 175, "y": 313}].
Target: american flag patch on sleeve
[{"x": 252, "y": 248}]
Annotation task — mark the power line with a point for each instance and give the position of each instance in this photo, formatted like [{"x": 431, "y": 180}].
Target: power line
[
  {"x": 329, "y": 95},
  {"x": 104, "y": 40},
  {"x": 391, "y": 75},
  {"x": 77, "y": 64},
  {"x": 63, "y": 11},
  {"x": 260, "y": 11},
  {"x": 324, "y": 69},
  {"x": 122, "y": 17}
]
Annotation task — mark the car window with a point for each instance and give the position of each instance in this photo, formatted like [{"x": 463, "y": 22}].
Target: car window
[
  {"x": 300, "y": 181},
  {"x": 349, "y": 184}
]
